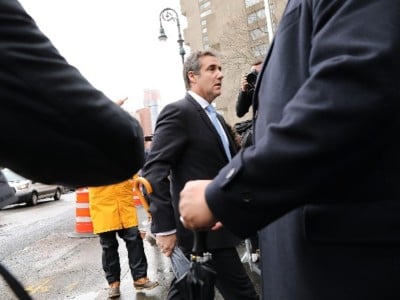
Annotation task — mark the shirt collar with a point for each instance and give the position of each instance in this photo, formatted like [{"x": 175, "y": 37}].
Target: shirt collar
[{"x": 202, "y": 102}]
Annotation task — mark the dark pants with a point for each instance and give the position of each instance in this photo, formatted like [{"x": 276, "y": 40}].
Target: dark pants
[
  {"x": 110, "y": 257},
  {"x": 232, "y": 281}
]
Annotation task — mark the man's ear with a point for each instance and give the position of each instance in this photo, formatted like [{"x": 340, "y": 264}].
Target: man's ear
[{"x": 191, "y": 76}]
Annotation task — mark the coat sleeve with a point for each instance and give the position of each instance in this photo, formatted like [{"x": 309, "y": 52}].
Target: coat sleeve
[
  {"x": 56, "y": 127},
  {"x": 243, "y": 103},
  {"x": 333, "y": 132},
  {"x": 169, "y": 143}
]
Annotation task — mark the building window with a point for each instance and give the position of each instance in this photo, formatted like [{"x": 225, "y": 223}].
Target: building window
[
  {"x": 251, "y": 2},
  {"x": 203, "y": 22},
  {"x": 258, "y": 33},
  {"x": 205, "y": 5},
  {"x": 256, "y": 16},
  {"x": 205, "y": 13},
  {"x": 205, "y": 38},
  {"x": 260, "y": 50},
  {"x": 204, "y": 30}
]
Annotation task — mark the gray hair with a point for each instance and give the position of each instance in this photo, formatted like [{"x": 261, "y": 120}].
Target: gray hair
[{"x": 192, "y": 63}]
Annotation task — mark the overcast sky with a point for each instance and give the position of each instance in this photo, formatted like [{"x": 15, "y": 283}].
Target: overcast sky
[{"x": 114, "y": 43}]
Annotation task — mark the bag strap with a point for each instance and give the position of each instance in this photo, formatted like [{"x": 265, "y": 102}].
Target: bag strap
[{"x": 14, "y": 284}]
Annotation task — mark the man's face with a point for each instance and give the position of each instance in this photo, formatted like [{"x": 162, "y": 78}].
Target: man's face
[{"x": 209, "y": 81}]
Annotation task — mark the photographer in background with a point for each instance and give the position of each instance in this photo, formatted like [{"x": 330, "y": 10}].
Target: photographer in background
[
  {"x": 247, "y": 89},
  {"x": 244, "y": 101},
  {"x": 245, "y": 128}
]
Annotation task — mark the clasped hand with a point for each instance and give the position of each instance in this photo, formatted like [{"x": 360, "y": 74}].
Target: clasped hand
[{"x": 193, "y": 207}]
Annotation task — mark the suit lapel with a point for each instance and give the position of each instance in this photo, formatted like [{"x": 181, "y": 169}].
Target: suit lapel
[
  {"x": 203, "y": 114},
  {"x": 260, "y": 75},
  {"x": 209, "y": 124},
  {"x": 289, "y": 6}
]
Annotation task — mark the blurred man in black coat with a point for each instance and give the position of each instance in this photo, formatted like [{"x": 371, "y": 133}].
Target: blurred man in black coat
[
  {"x": 323, "y": 174},
  {"x": 56, "y": 127}
]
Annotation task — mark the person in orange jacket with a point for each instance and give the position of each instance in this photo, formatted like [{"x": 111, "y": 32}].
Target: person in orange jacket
[{"x": 113, "y": 212}]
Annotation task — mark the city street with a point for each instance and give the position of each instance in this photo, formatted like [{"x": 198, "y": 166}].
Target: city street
[{"x": 35, "y": 245}]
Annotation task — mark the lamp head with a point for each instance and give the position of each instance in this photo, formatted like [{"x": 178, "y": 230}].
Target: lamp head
[{"x": 162, "y": 37}]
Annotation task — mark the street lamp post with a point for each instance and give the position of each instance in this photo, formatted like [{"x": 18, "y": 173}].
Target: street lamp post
[{"x": 169, "y": 14}]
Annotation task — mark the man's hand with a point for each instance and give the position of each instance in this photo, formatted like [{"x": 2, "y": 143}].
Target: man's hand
[
  {"x": 120, "y": 102},
  {"x": 245, "y": 84},
  {"x": 166, "y": 243},
  {"x": 193, "y": 206}
]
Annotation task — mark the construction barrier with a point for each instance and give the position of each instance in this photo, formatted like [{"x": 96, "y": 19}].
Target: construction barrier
[
  {"x": 136, "y": 198},
  {"x": 83, "y": 221},
  {"x": 136, "y": 192}
]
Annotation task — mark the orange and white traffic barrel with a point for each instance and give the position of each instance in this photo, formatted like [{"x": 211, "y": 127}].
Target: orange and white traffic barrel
[
  {"x": 136, "y": 198},
  {"x": 83, "y": 221}
]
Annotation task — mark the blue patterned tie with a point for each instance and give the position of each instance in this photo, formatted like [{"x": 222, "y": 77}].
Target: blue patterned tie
[{"x": 219, "y": 129}]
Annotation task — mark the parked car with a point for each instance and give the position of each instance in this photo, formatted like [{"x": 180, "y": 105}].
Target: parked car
[{"x": 28, "y": 191}]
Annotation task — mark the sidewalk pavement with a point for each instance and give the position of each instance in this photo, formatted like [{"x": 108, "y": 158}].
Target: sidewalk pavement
[{"x": 159, "y": 269}]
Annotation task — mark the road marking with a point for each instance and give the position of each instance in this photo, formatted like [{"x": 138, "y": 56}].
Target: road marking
[
  {"x": 41, "y": 287},
  {"x": 72, "y": 286}
]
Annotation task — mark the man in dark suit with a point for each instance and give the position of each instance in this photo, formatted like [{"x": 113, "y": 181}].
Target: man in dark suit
[
  {"x": 55, "y": 126},
  {"x": 187, "y": 146},
  {"x": 323, "y": 175}
]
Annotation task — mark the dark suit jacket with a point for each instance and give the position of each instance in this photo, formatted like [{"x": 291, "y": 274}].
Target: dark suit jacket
[
  {"x": 324, "y": 173},
  {"x": 55, "y": 126},
  {"x": 185, "y": 146}
]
